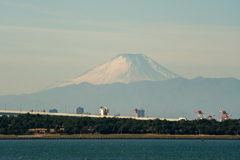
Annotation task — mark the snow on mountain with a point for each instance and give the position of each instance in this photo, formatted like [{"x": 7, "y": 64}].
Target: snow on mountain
[{"x": 124, "y": 68}]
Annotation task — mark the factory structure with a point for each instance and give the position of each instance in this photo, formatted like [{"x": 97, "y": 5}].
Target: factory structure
[
  {"x": 139, "y": 112},
  {"x": 79, "y": 110},
  {"x": 103, "y": 111},
  {"x": 53, "y": 110}
]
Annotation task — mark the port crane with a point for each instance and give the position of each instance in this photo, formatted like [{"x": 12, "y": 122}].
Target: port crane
[
  {"x": 200, "y": 115},
  {"x": 210, "y": 116},
  {"x": 225, "y": 116}
]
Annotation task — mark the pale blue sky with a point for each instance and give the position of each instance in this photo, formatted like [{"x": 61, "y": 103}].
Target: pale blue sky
[{"x": 42, "y": 42}]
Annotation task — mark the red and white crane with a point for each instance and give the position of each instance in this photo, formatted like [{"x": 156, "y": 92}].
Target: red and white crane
[
  {"x": 224, "y": 115},
  {"x": 200, "y": 115},
  {"x": 210, "y": 116}
]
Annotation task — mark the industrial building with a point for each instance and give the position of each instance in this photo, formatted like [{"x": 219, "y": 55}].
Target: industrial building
[
  {"x": 103, "y": 111},
  {"x": 53, "y": 111},
  {"x": 139, "y": 112},
  {"x": 79, "y": 110}
]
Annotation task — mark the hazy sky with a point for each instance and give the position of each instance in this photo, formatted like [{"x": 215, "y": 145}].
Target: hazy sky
[{"x": 42, "y": 42}]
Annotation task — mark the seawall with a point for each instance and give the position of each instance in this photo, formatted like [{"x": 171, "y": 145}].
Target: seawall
[{"x": 165, "y": 137}]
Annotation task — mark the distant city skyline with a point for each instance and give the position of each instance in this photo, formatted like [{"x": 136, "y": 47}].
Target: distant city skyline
[{"x": 48, "y": 41}]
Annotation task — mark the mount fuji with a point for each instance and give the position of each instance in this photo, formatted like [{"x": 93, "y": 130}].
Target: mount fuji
[
  {"x": 142, "y": 81},
  {"x": 124, "y": 68}
]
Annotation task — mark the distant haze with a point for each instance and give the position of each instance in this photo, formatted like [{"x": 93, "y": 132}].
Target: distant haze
[
  {"x": 171, "y": 98},
  {"x": 43, "y": 42}
]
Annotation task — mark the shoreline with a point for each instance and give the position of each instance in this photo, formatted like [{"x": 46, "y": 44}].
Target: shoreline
[{"x": 127, "y": 136}]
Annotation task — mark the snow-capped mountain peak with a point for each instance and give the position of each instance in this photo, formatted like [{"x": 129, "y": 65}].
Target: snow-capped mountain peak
[{"x": 124, "y": 68}]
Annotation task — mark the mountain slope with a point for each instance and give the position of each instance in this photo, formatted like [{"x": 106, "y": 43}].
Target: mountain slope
[
  {"x": 170, "y": 98},
  {"x": 124, "y": 68}
]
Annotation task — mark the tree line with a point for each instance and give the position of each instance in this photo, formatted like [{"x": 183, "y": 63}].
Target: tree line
[{"x": 22, "y": 123}]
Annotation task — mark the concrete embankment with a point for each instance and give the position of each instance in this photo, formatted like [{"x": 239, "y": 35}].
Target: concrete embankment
[{"x": 165, "y": 137}]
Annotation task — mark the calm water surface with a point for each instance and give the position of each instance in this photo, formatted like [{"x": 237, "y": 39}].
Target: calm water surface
[{"x": 120, "y": 149}]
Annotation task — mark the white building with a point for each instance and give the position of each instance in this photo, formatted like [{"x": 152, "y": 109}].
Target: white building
[
  {"x": 103, "y": 111},
  {"x": 79, "y": 110}
]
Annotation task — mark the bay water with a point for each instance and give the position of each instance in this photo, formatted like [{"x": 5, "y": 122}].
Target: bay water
[{"x": 104, "y": 149}]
